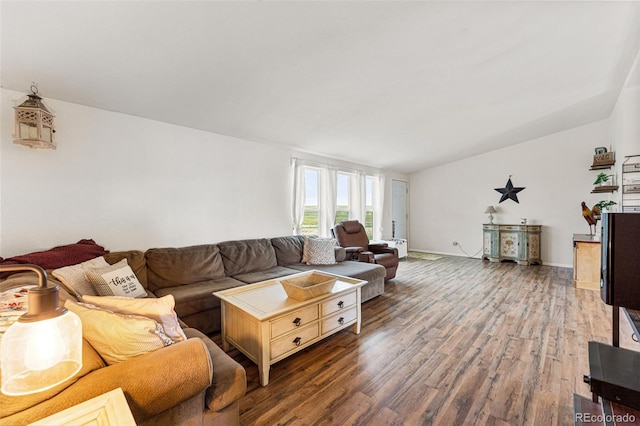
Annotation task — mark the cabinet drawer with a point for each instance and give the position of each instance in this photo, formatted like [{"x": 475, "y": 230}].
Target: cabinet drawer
[
  {"x": 338, "y": 320},
  {"x": 338, "y": 303},
  {"x": 293, "y": 341},
  {"x": 513, "y": 228},
  {"x": 297, "y": 319}
]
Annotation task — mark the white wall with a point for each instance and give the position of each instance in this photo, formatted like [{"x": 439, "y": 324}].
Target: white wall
[
  {"x": 625, "y": 122},
  {"x": 133, "y": 183},
  {"x": 448, "y": 202}
]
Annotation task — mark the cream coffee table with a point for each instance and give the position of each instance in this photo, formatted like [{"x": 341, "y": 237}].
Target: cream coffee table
[{"x": 268, "y": 326}]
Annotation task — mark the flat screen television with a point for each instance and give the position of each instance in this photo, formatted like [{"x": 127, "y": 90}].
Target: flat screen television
[{"x": 620, "y": 264}]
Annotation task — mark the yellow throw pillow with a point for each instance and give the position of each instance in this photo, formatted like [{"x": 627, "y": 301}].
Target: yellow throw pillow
[
  {"x": 74, "y": 279},
  {"x": 116, "y": 280},
  {"x": 160, "y": 310},
  {"x": 118, "y": 337}
]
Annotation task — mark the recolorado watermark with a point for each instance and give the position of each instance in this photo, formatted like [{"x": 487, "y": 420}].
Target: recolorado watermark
[{"x": 604, "y": 418}]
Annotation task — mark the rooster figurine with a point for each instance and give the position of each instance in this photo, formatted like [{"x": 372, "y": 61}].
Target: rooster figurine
[{"x": 589, "y": 216}]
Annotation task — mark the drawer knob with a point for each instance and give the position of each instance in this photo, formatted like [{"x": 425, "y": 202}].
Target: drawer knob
[
  {"x": 341, "y": 320},
  {"x": 297, "y": 341},
  {"x": 297, "y": 322},
  {"x": 341, "y": 304}
]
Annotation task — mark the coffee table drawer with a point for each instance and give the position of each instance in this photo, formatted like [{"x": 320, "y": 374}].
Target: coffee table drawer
[
  {"x": 293, "y": 341},
  {"x": 297, "y": 319},
  {"x": 343, "y": 317},
  {"x": 338, "y": 303}
]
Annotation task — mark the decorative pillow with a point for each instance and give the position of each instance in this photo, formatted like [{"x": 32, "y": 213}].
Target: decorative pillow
[
  {"x": 74, "y": 279},
  {"x": 320, "y": 251},
  {"x": 305, "y": 248},
  {"x": 116, "y": 280},
  {"x": 160, "y": 310},
  {"x": 118, "y": 337},
  {"x": 57, "y": 257}
]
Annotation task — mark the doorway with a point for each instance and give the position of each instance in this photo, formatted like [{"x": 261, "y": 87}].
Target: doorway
[{"x": 399, "y": 216}]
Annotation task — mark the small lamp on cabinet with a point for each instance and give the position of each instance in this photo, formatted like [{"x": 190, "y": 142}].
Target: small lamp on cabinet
[{"x": 490, "y": 211}]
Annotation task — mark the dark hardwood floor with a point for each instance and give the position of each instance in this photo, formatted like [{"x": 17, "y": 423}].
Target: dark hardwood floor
[{"x": 453, "y": 341}]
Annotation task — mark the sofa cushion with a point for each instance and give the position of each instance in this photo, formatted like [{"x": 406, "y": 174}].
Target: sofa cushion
[
  {"x": 245, "y": 256},
  {"x": 161, "y": 310},
  {"x": 118, "y": 337},
  {"x": 135, "y": 259},
  {"x": 198, "y": 297},
  {"x": 172, "y": 267},
  {"x": 288, "y": 249},
  {"x": 269, "y": 274},
  {"x": 359, "y": 270}
]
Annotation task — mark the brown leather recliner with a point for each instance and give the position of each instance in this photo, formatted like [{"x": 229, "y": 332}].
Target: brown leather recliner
[{"x": 351, "y": 235}]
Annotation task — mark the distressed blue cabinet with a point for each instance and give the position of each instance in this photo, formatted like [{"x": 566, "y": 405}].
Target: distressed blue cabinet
[{"x": 518, "y": 243}]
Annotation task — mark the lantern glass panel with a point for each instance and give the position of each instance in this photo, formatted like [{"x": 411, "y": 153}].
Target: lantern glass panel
[
  {"x": 46, "y": 134},
  {"x": 28, "y": 131}
]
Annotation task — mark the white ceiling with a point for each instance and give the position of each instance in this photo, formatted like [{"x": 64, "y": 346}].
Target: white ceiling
[{"x": 397, "y": 85}]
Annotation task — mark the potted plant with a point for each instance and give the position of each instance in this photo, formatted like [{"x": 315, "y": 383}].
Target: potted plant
[
  {"x": 601, "y": 179},
  {"x": 605, "y": 205}
]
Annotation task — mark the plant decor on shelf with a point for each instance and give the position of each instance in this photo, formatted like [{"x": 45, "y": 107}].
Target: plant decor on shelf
[
  {"x": 604, "y": 205},
  {"x": 601, "y": 179}
]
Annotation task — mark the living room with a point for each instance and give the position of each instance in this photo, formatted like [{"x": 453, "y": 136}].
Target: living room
[{"x": 147, "y": 170}]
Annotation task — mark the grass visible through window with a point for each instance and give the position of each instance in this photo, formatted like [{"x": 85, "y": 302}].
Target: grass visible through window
[{"x": 310, "y": 220}]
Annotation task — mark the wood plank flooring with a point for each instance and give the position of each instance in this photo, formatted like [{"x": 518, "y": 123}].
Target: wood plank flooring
[{"x": 454, "y": 341}]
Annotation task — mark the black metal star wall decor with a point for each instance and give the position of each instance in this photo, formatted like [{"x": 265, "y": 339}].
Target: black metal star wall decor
[{"x": 509, "y": 191}]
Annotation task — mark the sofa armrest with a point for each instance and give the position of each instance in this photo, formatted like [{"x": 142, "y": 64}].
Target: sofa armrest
[
  {"x": 229, "y": 378},
  {"x": 151, "y": 383}
]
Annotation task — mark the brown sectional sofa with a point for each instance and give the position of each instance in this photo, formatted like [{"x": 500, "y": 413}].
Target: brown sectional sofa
[{"x": 191, "y": 275}]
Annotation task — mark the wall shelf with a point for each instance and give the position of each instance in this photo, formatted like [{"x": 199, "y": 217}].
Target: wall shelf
[
  {"x": 601, "y": 166},
  {"x": 599, "y": 189},
  {"x": 631, "y": 185}
]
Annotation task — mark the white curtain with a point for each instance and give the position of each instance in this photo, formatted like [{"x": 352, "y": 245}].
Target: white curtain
[
  {"x": 357, "y": 197},
  {"x": 328, "y": 195},
  {"x": 378, "y": 206},
  {"x": 297, "y": 206}
]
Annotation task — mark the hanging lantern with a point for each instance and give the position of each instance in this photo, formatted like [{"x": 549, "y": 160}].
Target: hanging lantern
[{"x": 34, "y": 123}]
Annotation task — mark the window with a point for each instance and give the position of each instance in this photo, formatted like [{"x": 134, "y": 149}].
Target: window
[
  {"x": 368, "y": 220},
  {"x": 342, "y": 201},
  {"x": 324, "y": 195},
  {"x": 311, "y": 206}
]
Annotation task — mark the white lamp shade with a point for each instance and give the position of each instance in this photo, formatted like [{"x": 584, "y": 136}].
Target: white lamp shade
[{"x": 38, "y": 355}]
